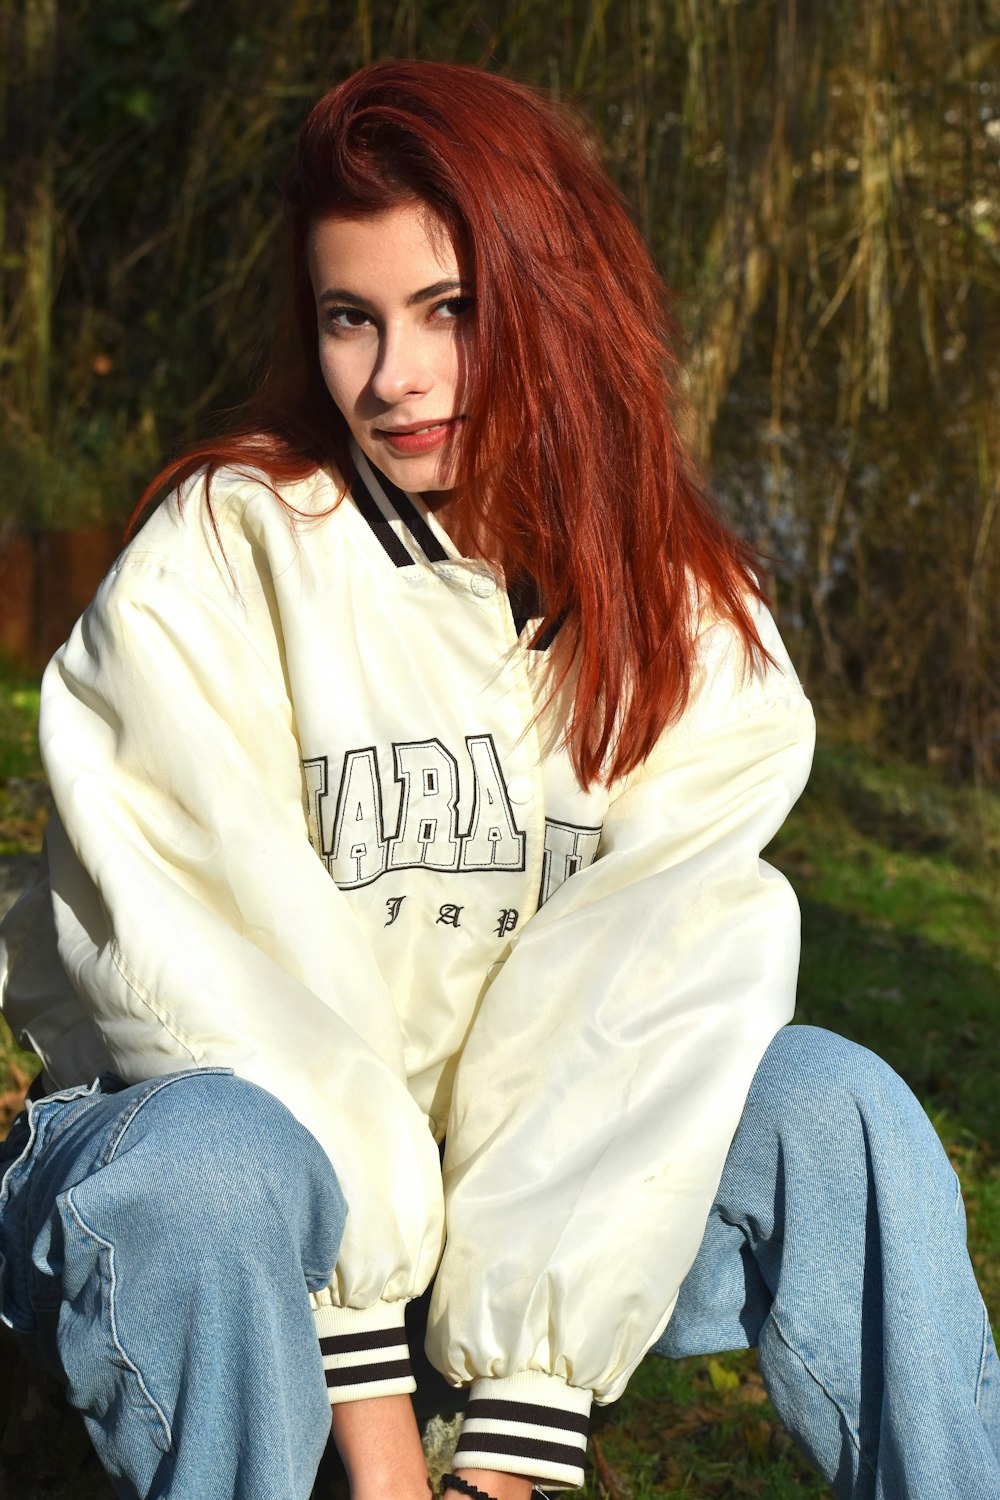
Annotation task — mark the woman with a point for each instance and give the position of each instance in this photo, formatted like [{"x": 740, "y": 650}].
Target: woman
[{"x": 412, "y": 768}]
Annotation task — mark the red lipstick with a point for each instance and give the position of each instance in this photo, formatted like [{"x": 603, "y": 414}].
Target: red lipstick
[{"x": 418, "y": 437}]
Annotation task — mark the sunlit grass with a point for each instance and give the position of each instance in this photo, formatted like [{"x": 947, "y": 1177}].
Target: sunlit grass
[
  {"x": 18, "y": 726},
  {"x": 700, "y": 1427}
]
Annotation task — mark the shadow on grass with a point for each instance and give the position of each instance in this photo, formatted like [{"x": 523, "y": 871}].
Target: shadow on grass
[{"x": 930, "y": 1011}]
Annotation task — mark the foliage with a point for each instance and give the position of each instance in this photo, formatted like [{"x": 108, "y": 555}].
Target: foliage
[
  {"x": 697, "y": 1428},
  {"x": 898, "y": 878},
  {"x": 23, "y": 812}
]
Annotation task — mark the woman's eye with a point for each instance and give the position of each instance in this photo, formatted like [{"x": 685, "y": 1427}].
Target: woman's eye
[
  {"x": 347, "y": 318},
  {"x": 454, "y": 307}
]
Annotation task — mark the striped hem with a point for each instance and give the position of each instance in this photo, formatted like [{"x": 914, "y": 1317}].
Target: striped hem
[
  {"x": 368, "y": 1360},
  {"x": 535, "y": 1426}
]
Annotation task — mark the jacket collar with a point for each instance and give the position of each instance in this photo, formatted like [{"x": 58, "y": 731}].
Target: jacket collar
[{"x": 400, "y": 522}]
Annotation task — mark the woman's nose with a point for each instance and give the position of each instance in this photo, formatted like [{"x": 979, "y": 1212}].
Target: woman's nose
[{"x": 402, "y": 368}]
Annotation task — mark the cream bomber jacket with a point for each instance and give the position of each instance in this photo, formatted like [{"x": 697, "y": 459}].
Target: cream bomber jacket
[{"x": 307, "y": 829}]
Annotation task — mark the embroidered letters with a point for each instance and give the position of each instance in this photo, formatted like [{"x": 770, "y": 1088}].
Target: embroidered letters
[{"x": 352, "y": 828}]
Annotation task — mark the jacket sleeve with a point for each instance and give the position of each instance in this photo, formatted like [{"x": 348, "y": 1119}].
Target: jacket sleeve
[
  {"x": 605, "y": 1074},
  {"x": 199, "y": 927}
]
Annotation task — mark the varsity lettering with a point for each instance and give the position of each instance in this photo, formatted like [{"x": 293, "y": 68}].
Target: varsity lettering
[
  {"x": 567, "y": 850},
  {"x": 358, "y": 851},
  {"x": 493, "y": 841},
  {"x": 315, "y": 773},
  {"x": 428, "y": 807},
  {"x": 347, "y": 825}
]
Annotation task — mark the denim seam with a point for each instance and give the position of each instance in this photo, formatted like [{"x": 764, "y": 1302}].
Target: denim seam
[
  {"x": 5, "y": 1181},
  {"x": 109, "y": 1247},
  {"x": 983, "y": 1357},
  {"x": 36, "y": 1113},
  {"x": 156, "y": 1086},
  {"x": 848, "y": 1424}
]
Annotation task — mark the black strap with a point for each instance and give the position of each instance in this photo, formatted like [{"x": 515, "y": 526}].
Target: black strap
[{"x": 454, "y": 1482}]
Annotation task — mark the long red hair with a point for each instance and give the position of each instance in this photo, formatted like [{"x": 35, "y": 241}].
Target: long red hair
[{"x": 589, "y": 493}]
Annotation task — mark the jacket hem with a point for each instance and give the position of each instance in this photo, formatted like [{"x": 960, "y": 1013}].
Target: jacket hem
[
  {"x": 364, "y": 1350},
  {"x": 530, "y": 1424}
]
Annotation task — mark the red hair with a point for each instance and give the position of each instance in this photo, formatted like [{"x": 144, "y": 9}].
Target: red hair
[{"x": 589, "y": 492}]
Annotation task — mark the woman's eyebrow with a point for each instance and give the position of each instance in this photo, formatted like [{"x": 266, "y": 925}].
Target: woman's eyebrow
[
  {"x": 449, "y": 284},
  {"x": 426, "y": 294}
]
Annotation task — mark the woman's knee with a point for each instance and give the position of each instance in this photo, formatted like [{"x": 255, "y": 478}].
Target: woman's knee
[
  {"x": 207, "y": 1152},
  {"x": 817, "y": 1080},
  {"x": 215, "y": 1112}
]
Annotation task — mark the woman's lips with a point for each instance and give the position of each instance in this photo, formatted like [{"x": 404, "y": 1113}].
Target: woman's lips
[{"x": 418, "y": 439}]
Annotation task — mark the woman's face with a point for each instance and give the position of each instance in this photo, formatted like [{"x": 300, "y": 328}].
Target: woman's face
[{"x": 395, "y": 334}]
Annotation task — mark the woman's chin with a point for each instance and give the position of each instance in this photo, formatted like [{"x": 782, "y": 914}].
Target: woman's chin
[{"x": 431, "y": 475}]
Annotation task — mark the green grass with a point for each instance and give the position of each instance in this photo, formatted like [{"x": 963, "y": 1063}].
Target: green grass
[
  {"x": 18, "y": 726},
  {"x": 898, "y": 875},
  {"x": 23, "y": 810},
  {"x": 900, "y": 939},
  {"x": 23, "y": 805},
  {"x": 696, "y": 1427}
]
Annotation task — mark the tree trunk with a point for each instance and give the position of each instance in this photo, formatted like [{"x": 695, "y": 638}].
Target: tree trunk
[{"x": 28, "y": 225}]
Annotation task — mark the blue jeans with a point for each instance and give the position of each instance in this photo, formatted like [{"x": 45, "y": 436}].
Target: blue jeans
[
  {"x": 158, "y": 1242},
  {"x": 836, "y": 1245}
]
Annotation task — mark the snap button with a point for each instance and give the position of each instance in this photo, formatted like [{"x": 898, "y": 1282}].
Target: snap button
[
  {"x": 494, "y": 970},
  {"x": 519, "y": 789},
  {"x": 483, "y": 585}
]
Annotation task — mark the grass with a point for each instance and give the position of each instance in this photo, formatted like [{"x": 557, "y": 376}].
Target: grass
[
  {"x": 23, "y": 807},
  {"x": 18, "y": 727},
  {"x": 897, "y": 873},
  {"x": 697, "y": 1427},
  {"x": 23, "y": 812}
]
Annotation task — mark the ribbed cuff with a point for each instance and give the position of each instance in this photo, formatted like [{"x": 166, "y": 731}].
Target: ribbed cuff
[
  {"x": 364, "y": 1350},
  {"x": 529, "y": 1424}
]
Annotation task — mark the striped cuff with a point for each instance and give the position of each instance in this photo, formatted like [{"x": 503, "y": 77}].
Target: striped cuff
[
  {"x": 529, "y": 1424},
  {"x": 364, "y": 1350}
]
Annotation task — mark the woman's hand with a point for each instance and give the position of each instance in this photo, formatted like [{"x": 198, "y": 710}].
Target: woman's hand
[{"x": 380, "y": 1445}]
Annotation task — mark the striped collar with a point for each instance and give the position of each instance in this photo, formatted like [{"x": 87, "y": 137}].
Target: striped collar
[
  {"x": 399, "y": 522},
  {"x": 403, "y": 527}
]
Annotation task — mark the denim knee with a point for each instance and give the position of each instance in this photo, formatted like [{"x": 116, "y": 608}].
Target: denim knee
[
  {"x": 831, "y": 1124},
  {"x": 227, "y": 1132},
  {"x": 181, "y": 1258},
  {"x": 810, "y": 1081},
  {"x": 213, "y": 1159}
]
